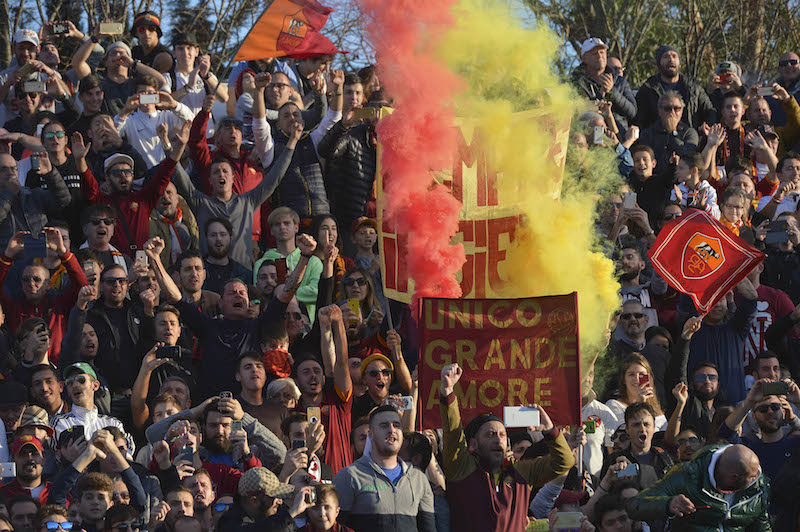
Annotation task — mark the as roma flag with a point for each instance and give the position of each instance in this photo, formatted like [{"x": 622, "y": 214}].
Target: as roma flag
[
  {"x": 700, "y": 257},
  {"x": 288, "y": 28}
]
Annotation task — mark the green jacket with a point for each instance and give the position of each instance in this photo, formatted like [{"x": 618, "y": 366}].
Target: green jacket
[{"x": 748, "y": 513}]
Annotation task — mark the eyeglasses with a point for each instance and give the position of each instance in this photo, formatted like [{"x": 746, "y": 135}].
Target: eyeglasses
[
  {"x": 127, "y": 526},
  {"x": 787, "y": 62},
  {"x": 50, "y": 135},
  {"x": 32, "y": 278},
  {"x": 294, "y": 315},
  {"x": 144, "y": 28},
  {"x": 672, "y": 216},
  {"x": 277, "y": 85},
  {"x": 121, "y": 172},
  {"x": 80, "y": 378},
  {"x": 671, "y": 108},
  {"x": 703, "y": 377},
  {"x": 55, "y": 525},
  {"x": 8, "y": 169},
  {"x": 763, "y": 409},
  {"x": 617, "y": 204},
  {"x": 221, "y": 507},
  {"x": 115, "y": 280},
  {"x": 629, "y": 315},
  {"x": 375, "y": 372},
  {"x": 690, "y": 439},
  {"x": 350, "y": 281},
  {"x": 104, "y": 221},
  {"x": 123, "y": 494}
]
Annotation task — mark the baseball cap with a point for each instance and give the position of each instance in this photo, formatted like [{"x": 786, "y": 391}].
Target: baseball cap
[
  {"x": 262, "y": 480},
  {"x": 120, "y": 44},
  {"x": 36, "y": 416},
  {"x": 590, "y": 44},
  {"x": 13, "y": 393},
  {"x": 23, "y": 441},
  {"x": 728, "y": 66},
  {"x": 80, "y": 367},
  {"x": 363, "y": 220},
  {"x": 26, "y": 36},
  {"x": 116, "y": 159},
  {"x": 372, "y": 358},
  {"x": 147, "y": 18}
]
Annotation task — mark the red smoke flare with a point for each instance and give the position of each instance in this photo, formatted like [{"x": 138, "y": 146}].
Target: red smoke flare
[{"x": 419, "y": 136}]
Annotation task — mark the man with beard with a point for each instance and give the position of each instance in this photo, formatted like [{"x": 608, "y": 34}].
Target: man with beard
[
  {"x": 410, "y": 505},
  {"x": 192, "y": 277},
  {"x": 629, "y": 271},
  {"x": 267, "y": 279},
  {"x": 484, "y": 493},
  {"x": 174, "y": 222},
  {"x": 699, "y": 110},
  {"x": 202, "y": 488},
  {"x": 220, "y": 267},
  {"x": 630, "y": 335},
  {"x": 178, "y": 502},
  {"x": 770, "y": 412},
  {"x": 687, "y": 443},
  {"x": 697, "y": 402},
  {"x": 28, "y": 453},
  {"x": 669, "y": 135}
]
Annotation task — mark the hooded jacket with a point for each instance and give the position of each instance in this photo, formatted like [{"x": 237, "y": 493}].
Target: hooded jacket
[
  {"x": 623, "y": 103},
  {"x": 698, "y": 106}
]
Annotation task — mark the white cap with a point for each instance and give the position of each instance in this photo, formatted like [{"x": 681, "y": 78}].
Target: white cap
[
  {"x": 116, "y": 159},
  {"x": 26, "y": 36},
  {"x": 590, "y": 44}
]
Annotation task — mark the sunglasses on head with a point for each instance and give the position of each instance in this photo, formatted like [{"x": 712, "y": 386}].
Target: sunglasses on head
[
  {"x": 787, "y": 62},
  {"x": 375, "y": 372},
  {"x": 55, "y": 525},
  {"x": 690, "y": 439},
  {"x": 80, "y": 378},
  {"x": 294, "y": 315},
  {"x": 703, "y": 377},
  {"x": 104, "y": 221},
  {"x": 350, "y": 281},
  {"x": 629, "y": 315},
  {"x": 763, "y": 409},
  {"x": 50, "y": 135}
]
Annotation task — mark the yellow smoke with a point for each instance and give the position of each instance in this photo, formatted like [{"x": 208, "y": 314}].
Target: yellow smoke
[{"x": 508, "y": 69}]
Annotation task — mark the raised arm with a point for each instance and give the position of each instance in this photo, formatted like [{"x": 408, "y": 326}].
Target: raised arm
[
  {"x": 262, "y": 135},
  {"x": 271, "y": 179},
  {"x": 736, "y": 418},
  {"x": 57, "y": 195},
  {"x": 169, "y": 289},
  {"x": 141, "y": 387},
  {"x": 681, "y": 394},
  {"x": 401, "y": 372},
  {"x": 287, "y": 290}
]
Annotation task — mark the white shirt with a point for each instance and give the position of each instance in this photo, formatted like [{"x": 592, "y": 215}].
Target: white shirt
[
  {"x": 704, "y": 186},
  {"x": 91, "y": 420},
  {"x": 618, "y": 410},
  {"x": 605, "y": 425},
  {"x": 139, "y": 129},
  {"x": 789, "y": 204}
]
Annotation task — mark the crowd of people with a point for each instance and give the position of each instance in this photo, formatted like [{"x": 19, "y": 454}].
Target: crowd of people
[{"x": 194, "y": 335}]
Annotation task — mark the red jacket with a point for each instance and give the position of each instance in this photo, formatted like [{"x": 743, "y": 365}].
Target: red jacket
[
  {"x": 54, "y": 308},
  {"x": 135, "y": 207},
  {"x": 13, "y": 489},
  {"x": 247, "y": 174}
]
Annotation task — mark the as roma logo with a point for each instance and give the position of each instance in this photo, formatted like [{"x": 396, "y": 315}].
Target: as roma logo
[
  {"x": 293, "y": 31},
  {"x": 702, "y": 256}
]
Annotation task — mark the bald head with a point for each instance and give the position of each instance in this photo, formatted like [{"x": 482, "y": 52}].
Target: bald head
[{"x": 737, "y": 468}]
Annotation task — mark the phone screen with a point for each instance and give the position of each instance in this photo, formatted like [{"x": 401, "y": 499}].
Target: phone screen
[{"x": 280, "y": 269}]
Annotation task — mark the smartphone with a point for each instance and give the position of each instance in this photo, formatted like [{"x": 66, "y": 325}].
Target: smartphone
[
  {"x": 629, "y": 200},
  {"x": 644, "y": 379},
  {"x": 225, "y": 395},
  {"x": 631, "y": 471},
  {"x": 35, "y": 247},
  {"x": 765, "y": 91},
  {"x": 71, "y": 434},
  {"x": 149, "y": 99},
  {"x": 186, "y": 453},
  {"x": 568, "y": 521},
  {"x": 236, "y": 424},
  {"x": 111, "y": 28},
  {"x": 590, "y": 426},
  {"x": 355, "y": 306},
  {"x": 311, "y": 497},
  {"x": 777, "y": 232},
  {"x": 539, "y": 525},
  {"x": 365, "y": 112},
  {"x": 725, "y": 78},
  {"x": 280, "y": 270},
  {"x": 314, "y": 414},
  {"x": 169, "y": 351},
  {"x": 35, "y": 162},
  {"x": 404, "y": 402},
  {"x": 9, "y": 469},
  {"x": 34, "y": 86},
  {"x": 59, "y": 28},
  {"x": 298, "y": 444},
  {"x": 775, "y": 388},
  {"x": 598, "y": 132},
  {"x": 520, "y": 416},
  {"x": 141, "y": 255},
  {"x": 636, "y": 133},
  {"x": 25, "y": 70}
]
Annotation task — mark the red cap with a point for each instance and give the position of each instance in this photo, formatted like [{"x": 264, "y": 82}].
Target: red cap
[{"x": 22, "y": 441}]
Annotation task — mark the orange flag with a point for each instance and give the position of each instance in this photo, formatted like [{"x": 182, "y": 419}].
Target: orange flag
[{"x": 288, "y": 28}]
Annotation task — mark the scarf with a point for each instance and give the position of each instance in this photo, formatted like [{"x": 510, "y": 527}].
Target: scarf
[
  {"x": 733, "y": 226},
  {"x": 176, "y": 246},
  {"x": 118, "y": 257}
]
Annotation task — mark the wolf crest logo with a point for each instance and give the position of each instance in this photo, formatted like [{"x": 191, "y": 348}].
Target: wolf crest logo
[
  {"x": 702, "y": 256},
  {"x": 293, "y": 31}
]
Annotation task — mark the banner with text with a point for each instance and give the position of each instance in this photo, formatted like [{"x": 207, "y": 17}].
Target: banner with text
[
  {"x": 488, "y": 220},
  {"x": 514, "y": 352}
]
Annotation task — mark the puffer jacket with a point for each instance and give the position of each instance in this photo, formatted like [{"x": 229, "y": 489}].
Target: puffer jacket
[
  {"x": 350, "y": 172},
  {"x": 623, "y": 103},
  {"x": 748, "y": 513},
  {"x": 302, "y": 188},
  {"x": 698, "y": 106}
]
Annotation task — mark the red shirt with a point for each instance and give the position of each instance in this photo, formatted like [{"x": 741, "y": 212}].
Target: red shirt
[
  {"x": 135, "y": 207},
  {"x": 14, "y": 489},
  {"x": 335, "y": 409},
  {"x": 771, "y": 305}
]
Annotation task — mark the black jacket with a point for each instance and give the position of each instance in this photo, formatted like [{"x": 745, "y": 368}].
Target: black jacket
[
  {"x": 233, "y": 521},
  {"x": 350, "y": 172},
  {"x": 623, "y": 103},
  {"x": 782, "y": 271},
  {"x": 302, "y": 187},
  {"x": 698, "y": 106},
  {"x": 682, "y": 141}
]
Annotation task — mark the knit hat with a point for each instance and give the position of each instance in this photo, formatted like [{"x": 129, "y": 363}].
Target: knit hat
[
  {"x": 372, "y": 358},
  {"x": 361, "y": 221},
  {"x": 122, "y": 45},
  {"x": 262, "y": 480},
  {"x": 36, "y": 416},
  {"x": 664, "y": 48},
  {"x": 147, "y": 18},
  {"x": 475, "y": 425}
]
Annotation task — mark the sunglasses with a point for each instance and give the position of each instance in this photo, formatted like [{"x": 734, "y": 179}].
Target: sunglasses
[
  {"x": 375, "y": 372},
  {"x": 121, "y": 172},
  {"x": 703, "y": 377},
  {"x": 294, "y": 315},
  {"x": 104, "y": 221},
  {"x": 691, "y": 439},
  {"x": 360, "y": 281},
  {"x": 671, "y": 216},
  {"x": 115, "y": 280},
  {"x": 787, "y": 62},
  {"x": 255, "y": 301},
  {"x": 763, "y": 409},
  {"x": 50, "y": 135},
  {"x": 671, "y": 108},
  {"x": 80, "y": 378},
  {"x": 616, "y": 204},
  {"x": 629, "y": 315},
  {"x": 221, "y": 507},
  {"x": 32, "y": 278},
  {"x": 128, "y": 526},
  {"x": 28, "y": 95},
  {"x": 55, "y": 525},
  {"x": 231, "y": 122},
  {"x": 622, "y": 436}
]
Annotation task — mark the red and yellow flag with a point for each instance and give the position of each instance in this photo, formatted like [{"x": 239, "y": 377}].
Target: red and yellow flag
[{"x": 288, "y": 28}]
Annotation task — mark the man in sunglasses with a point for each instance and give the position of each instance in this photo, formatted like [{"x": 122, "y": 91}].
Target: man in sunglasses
[
  {"x": 147, "y": 30},
  {"x": 697, "y": 401},
  {"x": 630, "y": 334},
  {"x": 29, "y": 104},
  {"x": 52, "y": 518},
  {"x": 788, "y": 77},
  {"x": 99, "y": 222},
  {"x": 669, "y": 134},
  {"x": 688, "y": 442},
  {"x": 122, "y": 518}
]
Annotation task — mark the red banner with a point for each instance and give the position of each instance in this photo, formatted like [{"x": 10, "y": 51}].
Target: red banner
[
  {"x": 700, "y": 257},
  {"x": 513, "y": 352}
]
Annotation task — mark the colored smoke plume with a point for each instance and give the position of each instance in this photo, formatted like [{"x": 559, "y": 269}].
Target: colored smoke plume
[
  {"x": 418, "y": 136},
  {"x": 507, "y": 69}
]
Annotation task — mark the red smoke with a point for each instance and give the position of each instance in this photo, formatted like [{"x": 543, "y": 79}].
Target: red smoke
[{"x": 419, "y": 136}]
